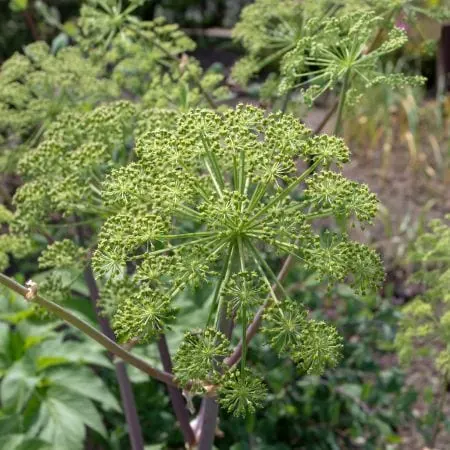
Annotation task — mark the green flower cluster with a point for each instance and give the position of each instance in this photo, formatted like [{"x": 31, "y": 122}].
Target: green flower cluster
[
  {"x": 203, "y": 202},
  {"x": 425, "y": 324},
  {"x": 62, "y": 254},
  {"x": 338, "y": 48},
  {"x": 148, "y": 58},
  {"x": 312, "y": 44},
  {"x": 63, "y": 174},
  {"x": 37, "y": 86},
  {"x": 114, "y": 53},
  {"x": 267, "y": 29}
]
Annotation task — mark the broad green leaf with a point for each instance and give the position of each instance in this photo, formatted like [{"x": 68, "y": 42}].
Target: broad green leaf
[
  {"x": 31, "y": 341},
  {"x": 88, "y": 352},
  {"x": 56, "y": 352},
  {"x": 11, "y": 302},
  {"x": 352, "y": 390},
  {"x": 68, "y": 414},
  {"x": 5, "y": 358},
  {"x": 84, "y": 382},
  {"x": 64, "y": 427},
  {"x": 18, "y": 385},
  {"x": 17, "y": 317},
  {"x": 30, "y": 330}
]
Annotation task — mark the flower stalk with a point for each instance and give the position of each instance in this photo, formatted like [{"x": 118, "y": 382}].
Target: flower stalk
[{"x": 90, "y": 331}]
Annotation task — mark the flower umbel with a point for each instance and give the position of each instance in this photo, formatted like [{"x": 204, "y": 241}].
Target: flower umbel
[{"x": 202, "y": 204}]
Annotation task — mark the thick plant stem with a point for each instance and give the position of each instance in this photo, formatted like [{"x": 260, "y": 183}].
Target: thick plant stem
[
  {"x": 90, "y": 331},
  {"x": 176, "y": 397},
  {"x": 126, "y": 391},
  {"x": 338, "y": 126},
  {"x": 129, "y": 406},
  {"x": 209, "y": 424}
]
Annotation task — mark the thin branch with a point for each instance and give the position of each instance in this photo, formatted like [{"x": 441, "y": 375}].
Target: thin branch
[
  {"x": 214, "y": 32},
  {"x": 210, "y": 407},
  {"x": 90, "y": 331},
  {"x": 29, "y": 20},
  {"x": 327, "y": 117}
]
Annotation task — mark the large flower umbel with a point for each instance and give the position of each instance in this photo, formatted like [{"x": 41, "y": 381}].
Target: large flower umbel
[{"x": 207, "y": 200}]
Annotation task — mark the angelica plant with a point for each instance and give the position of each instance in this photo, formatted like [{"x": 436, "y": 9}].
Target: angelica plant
[
  {"x": 316, "y": 47},
  {"x": 340, "y": 53},
  {"x": 204, "y": 204},
  {"x": 266, "y": 30}
]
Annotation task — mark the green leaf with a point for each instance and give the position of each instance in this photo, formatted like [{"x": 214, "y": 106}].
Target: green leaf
[
  {"x": 5, "y": 358},
  {"x": 17, "y": 317},
  {"x": 12, "y": 441},
  {"x": 84, "y": 382},
  {"x": 34, "y": 444},
  {"x": 18, "y": 5},
  {"x": 352, "y": 390},
  {"x": 64, "y": 427},
  {"x": 68, "y": 413},
  {"x": 44, "y": 362},
  {"x": 18, "y": 385},
  {"x": 9, "y": 424},
  {"x": 56, "y": 352}
]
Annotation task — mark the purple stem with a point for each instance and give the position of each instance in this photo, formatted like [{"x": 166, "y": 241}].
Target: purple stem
[
  {"x": 176, "y": 397},
  {"x": 209, "y": 423},
  {"x": 126, "y": 392}
]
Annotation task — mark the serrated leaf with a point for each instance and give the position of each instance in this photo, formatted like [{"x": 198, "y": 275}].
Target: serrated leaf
[
  {"x": 5, "y": 358},
  {"x": 56, "y": 351},
  {"x": 17, "y": 317},
  {"x": 63, "y": 428},
  {"x": 84, "y": 382},
  {"x": 66, "y": 409},
  {"x": 12, "y": 441},
  {"x": 352, "y": 390}
]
